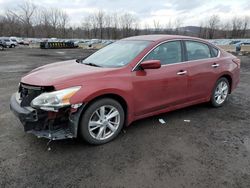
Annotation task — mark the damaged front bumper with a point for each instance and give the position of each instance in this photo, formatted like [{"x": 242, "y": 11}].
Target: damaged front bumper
[{"x": 48, "y": 124}]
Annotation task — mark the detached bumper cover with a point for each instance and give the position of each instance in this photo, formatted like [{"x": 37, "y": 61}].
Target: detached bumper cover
[
  {"x": 51, "y": 125},
  {"x": 24, "y": 114}
]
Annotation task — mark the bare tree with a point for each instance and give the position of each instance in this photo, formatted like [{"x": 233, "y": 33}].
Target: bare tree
[
  {"x": 11, "y": 24},
  {"x": 157, "y": 25},
  {"x": 146, "y": 29},
  {"x": 63, "y": 22},
  {"x": 50, "y": 22},
  {"x": 200, "y": 34},
  {"x": 213, "y": 25},
  {"x": 240, "y": 26},
  {"x": 25, "y": 14},
  {"x": 128, "y": 21},
  {"x": 99, "y": 19},
  {"x": 237, "y": 25},
  {"x": 54, "y": 19},
  {"x": 177, "y": 24},
  {"x": 87, "y": 28},
  {"x": 226, "y": 30},
  {"x": 43, "y": 23},
  {"x": 114, "y": 25},
  {"x": 107, "y": 25},
  {"x": 169, "y": 27},
  {"x": 246, "y": 22}
]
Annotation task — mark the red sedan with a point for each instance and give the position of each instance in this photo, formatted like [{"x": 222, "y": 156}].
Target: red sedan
[{"x": 133, "y": 78}]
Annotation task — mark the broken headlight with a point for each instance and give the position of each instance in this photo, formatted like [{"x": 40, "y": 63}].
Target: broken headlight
[{"x": 54, "y": 100}]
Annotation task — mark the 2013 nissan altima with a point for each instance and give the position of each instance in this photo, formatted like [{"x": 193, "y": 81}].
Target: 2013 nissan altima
[{"x": 128, "y": 80}]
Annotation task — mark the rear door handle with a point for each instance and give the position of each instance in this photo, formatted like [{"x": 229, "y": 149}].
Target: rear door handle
[
  {"x": 182, "y": 72},
  {"x": 215, "y": 65}
]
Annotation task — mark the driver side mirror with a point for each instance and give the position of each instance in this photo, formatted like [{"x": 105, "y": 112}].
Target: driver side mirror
[{"x": 151, "y": 64}]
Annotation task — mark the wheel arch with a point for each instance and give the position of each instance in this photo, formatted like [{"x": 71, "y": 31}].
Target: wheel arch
[
  {"x": 229, "y": 78},
  {"x": 114, "y": 96}
]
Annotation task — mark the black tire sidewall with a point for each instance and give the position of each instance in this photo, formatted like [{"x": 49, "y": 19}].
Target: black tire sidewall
[
  {"x": 83, "y": 126},
  {"x": 213, "y": 101}
]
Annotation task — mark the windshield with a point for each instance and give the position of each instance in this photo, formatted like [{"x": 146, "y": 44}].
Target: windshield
[{"x": 117, "y": 54}]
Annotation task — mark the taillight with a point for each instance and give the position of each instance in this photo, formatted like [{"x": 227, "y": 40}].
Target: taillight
[{"x": 237, "y": 61}]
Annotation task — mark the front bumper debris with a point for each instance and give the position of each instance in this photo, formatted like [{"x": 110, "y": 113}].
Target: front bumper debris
[{"x": 51, "y": 125}]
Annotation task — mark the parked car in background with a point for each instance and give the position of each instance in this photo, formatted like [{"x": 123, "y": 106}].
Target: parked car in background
[
  {"x": 74, "y": 42},
  {"x": 13, "y": 39},
  {"x": 2, "y": 45},
  {"x": 23, "y": 42},
  {"x": 107, "y": 42},
  {"x": 239, "y": 44},
  {"x": 10, "y": 42},
  {"x": 94, "y": 41},
  {"x": 84, "y": 41},
  {"x": 133, "y": 78},
  {"x": 234, "y": 42}
]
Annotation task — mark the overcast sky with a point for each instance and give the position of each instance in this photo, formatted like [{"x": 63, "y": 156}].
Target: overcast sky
[{"x": 191, "y": 12}]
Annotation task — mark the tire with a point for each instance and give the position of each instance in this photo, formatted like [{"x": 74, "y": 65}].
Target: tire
[
  {"x": 220, "y": 92},
  {"x": 103, "y": 127},
  {"x": 12, "y": 46},
  {"x": 1, "y": 48}
]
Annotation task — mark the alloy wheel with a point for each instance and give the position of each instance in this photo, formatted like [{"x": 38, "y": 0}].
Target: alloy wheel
[
  {"x": 104, "y": 122},
  {"x": 221, "y": 92}
]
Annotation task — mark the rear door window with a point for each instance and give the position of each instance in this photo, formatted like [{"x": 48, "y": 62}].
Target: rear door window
[{"x": 197, "y": 50}]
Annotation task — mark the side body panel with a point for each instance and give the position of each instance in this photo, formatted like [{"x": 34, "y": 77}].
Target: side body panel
[
  {"x": 202, "y": 77},
  {"x": 158, "y": 89}
]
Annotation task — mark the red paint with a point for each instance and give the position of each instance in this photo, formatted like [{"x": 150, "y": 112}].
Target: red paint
[
  {"x": 147, "y": 92},
  {"x": 151, "y": 64}
]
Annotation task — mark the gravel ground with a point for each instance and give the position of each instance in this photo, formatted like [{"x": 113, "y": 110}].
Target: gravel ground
[{"x": 212, "y": 150}]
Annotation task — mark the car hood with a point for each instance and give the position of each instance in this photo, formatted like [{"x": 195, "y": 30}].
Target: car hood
[{"x": 61, "y": 72}]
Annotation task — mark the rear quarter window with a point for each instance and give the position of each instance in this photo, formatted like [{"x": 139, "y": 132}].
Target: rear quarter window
[{"x": 215, "y": 52}]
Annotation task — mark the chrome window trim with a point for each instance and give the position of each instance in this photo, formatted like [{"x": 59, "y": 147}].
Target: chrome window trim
[{"x": 193, "y": 40}]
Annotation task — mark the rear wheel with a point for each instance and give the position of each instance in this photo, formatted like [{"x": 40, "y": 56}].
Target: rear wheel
[
  {"x": 220, "y": 92},
  {"x": 102, "y": 121},
  {"x": 12, "y": 46}
]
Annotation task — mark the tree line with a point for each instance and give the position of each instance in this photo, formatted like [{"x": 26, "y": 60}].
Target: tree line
[
  {"x": 30, "y": 20},
  {"x": 237, "y": 27}
]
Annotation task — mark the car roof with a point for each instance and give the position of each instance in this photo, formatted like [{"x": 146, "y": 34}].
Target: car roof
[{"x": 158, "y": 38}]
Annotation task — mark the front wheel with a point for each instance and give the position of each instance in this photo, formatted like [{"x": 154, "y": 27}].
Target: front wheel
[
  {"x": 220, "y": 92},
  {"x": 1, "y": 48},
  {"x": 102, "y": 121}
]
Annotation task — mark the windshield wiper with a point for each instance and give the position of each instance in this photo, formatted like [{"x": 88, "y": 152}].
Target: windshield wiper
[{"x": 92, "y": 64}]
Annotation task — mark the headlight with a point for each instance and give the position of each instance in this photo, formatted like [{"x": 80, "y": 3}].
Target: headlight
[{"x": 54, "y": 100}]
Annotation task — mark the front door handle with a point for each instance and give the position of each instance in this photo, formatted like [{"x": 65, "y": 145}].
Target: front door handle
[
  {"x": 182, "y": 72},
  {"x": 215, "y": 65}
]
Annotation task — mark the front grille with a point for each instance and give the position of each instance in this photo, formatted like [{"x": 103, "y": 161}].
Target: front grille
[{"x": 28, "y": 93}]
